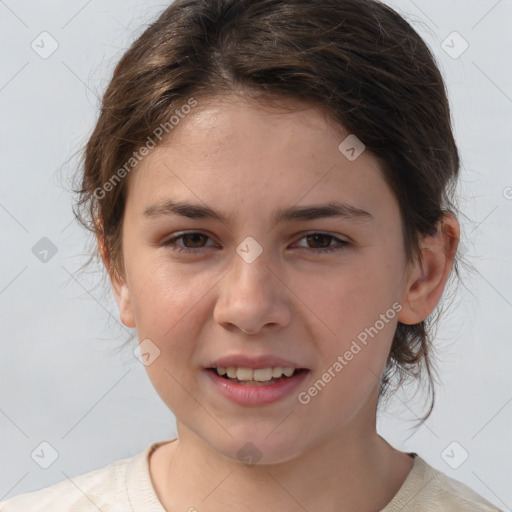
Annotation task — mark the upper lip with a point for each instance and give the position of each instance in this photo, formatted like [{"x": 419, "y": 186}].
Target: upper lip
[{"x": 254, "y": 362}]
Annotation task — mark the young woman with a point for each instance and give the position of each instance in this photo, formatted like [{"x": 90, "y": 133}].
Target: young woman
[{"x": 270, "y": 184}]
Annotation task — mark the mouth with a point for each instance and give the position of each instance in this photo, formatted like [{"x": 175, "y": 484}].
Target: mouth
[{"x": 256, "y": 376}]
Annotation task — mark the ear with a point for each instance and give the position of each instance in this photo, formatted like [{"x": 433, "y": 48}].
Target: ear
[
  {"x": 119, "y": 286},
  {"x": 427, "y": 279}
]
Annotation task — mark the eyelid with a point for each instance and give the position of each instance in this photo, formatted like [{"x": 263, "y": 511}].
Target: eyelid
[
  {"x": 337, "y": 236},
  {"x": 179, "y": 234}
]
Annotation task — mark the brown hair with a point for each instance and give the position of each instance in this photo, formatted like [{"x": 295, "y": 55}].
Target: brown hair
[{"x": 358, "y": 60}]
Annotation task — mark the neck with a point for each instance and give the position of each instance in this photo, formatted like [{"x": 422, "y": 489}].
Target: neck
[{"x": 353, "y": 470}]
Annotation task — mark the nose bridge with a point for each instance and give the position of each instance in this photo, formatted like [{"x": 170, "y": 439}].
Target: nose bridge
[{"x": 250, "y": 272}]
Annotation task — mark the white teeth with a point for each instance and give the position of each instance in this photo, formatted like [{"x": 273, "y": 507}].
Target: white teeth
[
  {"x": 262, "y": 374},
  {"x": 277, "y": 372},
  {"x": 288, "y": 372},
  {"x": 244, "y": 374},
  {"x": 258, "y": 374}
]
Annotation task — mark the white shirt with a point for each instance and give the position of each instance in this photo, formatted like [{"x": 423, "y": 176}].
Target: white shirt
[{"x": 125, "y": 486}]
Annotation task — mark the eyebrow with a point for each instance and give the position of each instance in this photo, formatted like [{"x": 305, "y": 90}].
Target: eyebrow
[{"x": 294, "y": 213}]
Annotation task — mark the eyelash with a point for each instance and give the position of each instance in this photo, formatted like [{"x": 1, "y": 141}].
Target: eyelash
[{"x": 171, "y": 243}]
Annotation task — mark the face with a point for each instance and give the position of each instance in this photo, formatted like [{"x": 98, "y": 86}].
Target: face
[{"x": 228, "y": 282}]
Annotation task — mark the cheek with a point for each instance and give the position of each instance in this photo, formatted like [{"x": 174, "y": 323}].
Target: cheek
[
  {"x": 352, "y": 363},
  {"x": 168, "y": 307},
  {"x": 348, "y": 298},
  {"x": 357, "y": 307},
  {"x": 167, "y": 311},
  {"x": 164, "y": 295}
]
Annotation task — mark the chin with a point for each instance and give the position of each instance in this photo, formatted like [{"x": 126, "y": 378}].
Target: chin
[{"x": 256, "y": 448}]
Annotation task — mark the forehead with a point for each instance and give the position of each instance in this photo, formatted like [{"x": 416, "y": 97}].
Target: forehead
[{"x": 233, "y": 152}]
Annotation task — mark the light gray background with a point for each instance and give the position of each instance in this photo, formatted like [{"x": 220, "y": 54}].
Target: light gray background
[{"x": 62, "y": 380}]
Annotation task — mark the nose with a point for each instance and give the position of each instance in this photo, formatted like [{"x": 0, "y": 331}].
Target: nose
[{"x": 252, "y": 297}]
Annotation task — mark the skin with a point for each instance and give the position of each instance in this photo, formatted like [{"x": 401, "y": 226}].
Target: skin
[{"x": 246, "y": 161}]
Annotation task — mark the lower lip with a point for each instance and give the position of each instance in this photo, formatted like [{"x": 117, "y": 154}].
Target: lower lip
[{"x": 257, "y": 395}]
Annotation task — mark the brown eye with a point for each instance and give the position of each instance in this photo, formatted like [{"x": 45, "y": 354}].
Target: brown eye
[
  {"x": 319, "y": 239},
  {"x": 194, "y": 239},
  {"x": 191, "y": 242},
  {"x": 322, "y": 242}
]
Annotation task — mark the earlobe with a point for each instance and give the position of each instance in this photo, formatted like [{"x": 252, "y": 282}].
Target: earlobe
[
  {"x": 428, "y": 277},
  {"x": 122, "y": 295}
]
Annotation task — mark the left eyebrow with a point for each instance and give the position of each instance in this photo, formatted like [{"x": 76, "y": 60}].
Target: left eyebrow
[
  {"x": 313, "y": 212},
  {"x": 294, "y": 213}
]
